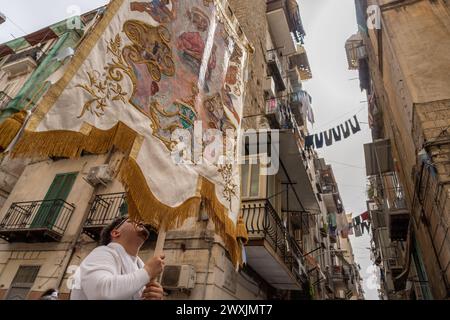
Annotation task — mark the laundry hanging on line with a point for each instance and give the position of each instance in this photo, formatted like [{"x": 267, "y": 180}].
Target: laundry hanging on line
[{"x": 343, "y": 131}]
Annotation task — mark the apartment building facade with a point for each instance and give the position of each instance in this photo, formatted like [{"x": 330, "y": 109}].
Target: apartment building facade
[{"x": 401, "y": 54}]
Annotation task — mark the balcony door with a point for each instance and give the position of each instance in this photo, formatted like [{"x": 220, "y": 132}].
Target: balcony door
[{"x": 53, "y": 202}]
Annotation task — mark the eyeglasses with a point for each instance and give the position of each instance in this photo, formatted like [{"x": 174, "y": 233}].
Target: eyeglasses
[
  {"x": 120, "y": 224},
  {"x": 136, "y": 224}
]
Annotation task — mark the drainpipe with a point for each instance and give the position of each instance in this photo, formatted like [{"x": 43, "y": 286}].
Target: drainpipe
[
  {"x": 68, "y": 257},
  {"x": 210, "y": 242},
  {"x": 210, "y": 246}
]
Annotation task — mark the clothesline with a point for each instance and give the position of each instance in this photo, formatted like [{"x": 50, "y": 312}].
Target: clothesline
[
  {"x": 346, "y": 164},
  {"x": 336, "y": 134},
  {"x": 359, "y": 109}
]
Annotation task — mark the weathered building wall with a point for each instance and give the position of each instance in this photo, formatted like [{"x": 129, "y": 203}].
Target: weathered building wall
[
  {"x": 252, "y": 17},
  {"x": 411, "y": 79}
]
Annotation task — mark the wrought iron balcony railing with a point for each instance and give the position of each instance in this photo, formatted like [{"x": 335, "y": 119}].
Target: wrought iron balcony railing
[
  {"x": 35, "y": 221},
  {"x": 279, "y": 114},
  {"x": 104, "y": 209},
  {"x": 263, "y": 222}
]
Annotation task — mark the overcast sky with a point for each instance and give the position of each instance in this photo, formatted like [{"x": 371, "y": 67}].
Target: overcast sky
[
  {"x": 336, "y": 98},
  {"x": 335, "y": 90}
]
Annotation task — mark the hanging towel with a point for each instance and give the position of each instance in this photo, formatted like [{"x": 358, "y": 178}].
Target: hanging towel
[
  {"x": 328, "y": 138},
  {"x": 307, "y": 109},
  {"x": 337, "y": 134},
  {"x": 365, "y": 216},
  {"x": 345, "y": 132},
  {"x": 358, "y": 232},
  {"x": 332, "y": 221},
  {"x": 310, "y": 114},
  {"x": 355, "y": 128},
  {"x": 364, "y": 225},
  {"x": 319, "y": 140}
]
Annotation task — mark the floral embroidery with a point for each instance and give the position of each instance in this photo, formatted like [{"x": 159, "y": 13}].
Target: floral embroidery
[
  {"x": 101, "y": 92},
  {"x": 230, "y": 186}
]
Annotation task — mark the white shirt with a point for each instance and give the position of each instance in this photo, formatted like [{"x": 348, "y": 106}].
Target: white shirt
[{"x": 110, "y": 273}]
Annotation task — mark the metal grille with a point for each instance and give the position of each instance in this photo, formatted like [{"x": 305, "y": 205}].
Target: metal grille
[{"x": 22, "y": 282}]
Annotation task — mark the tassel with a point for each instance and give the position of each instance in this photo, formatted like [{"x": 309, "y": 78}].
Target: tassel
[{"x": 241, "y": 230}]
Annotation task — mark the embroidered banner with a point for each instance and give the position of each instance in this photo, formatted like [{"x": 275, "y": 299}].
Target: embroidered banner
[{"x": 147, "y": 70}]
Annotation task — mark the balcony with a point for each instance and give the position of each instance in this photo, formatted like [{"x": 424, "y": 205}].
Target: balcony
[
  {"x": 295, "y": 102},
  {"x": 104, "y": 209},
  {"x": 36, "y": 221},
  {"x": 4, "y": 100},
  {"x": 333, "y": 202},
  {"x": 355, "y": 50},
  {"x": 300, "y": 62},
  {"x": 398, "y": 222},
  {"x": 284, "y": 21},
  {"x": 278, "y": 113},
  {"x": 23, "y": 62},
  {"x": 271, "y": 251},
  {"x": 295, "y": 79},
  {"x": 275, "y": 69},
  {"x": 340, "y": 279}
]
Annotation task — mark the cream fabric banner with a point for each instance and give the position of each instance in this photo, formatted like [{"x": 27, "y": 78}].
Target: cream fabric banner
[{"x": 147, "y": 70}]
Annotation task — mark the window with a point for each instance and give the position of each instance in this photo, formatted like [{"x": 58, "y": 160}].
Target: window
[
  {"x": 274, "y": 193},
  {"x": 250, "y": 182},
  {"x": 53, "y": 202},
  {"x": 22, "y": 282}
]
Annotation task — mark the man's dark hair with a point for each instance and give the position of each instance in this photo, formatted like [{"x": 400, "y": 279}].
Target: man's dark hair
[
  {"x": 49, "y": 292},
  {"x": 105, "y": 236}
]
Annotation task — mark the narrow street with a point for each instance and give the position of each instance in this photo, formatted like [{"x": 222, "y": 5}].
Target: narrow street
[{"x": 236, "y": 150}]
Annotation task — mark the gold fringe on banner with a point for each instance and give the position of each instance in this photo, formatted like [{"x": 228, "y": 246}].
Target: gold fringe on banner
[
  {"x": 70, "y": 144},
  {"x": 144, "y": 205},
  {"x": 223, "y": 224},
  {"x": 10, "y": 128}
]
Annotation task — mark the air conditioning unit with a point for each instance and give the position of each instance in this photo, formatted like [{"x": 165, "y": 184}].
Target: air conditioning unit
[
  {"x": 178, "y": 277},
  {"x": 99, "y": 175}
]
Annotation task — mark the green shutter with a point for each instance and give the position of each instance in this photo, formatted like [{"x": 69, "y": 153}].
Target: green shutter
[{"x": 49, "y": 210}]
